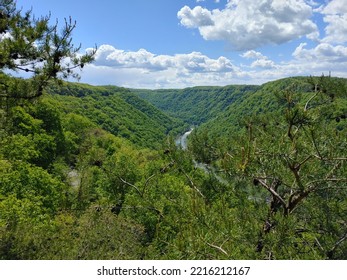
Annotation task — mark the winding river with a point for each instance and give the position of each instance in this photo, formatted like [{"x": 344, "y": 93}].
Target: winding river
[{"x": 182, "y": 141}]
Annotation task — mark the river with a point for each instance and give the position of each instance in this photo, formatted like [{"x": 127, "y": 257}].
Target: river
[{"x": 182, "y": 141}]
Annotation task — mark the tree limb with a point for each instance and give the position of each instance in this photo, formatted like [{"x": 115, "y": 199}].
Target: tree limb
[
  {"x": 218, "y": 248},
  {"x": 342, "y": 239},
  {"x": 131, "y": 185},
  {"x": 311, "y": 98},
  {"x": 273, "y": 192},
  {"x": 146, "y": 184},
  {"x": 193, "y": 185}
]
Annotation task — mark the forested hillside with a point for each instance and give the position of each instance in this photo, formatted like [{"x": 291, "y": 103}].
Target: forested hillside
[
  {"x": 195, "y": 105},
  {"x": 265, "y": 100},
  {"x": 286, "y": 146},
  {"x": 118, "y": 111},
  {"x": 74, "y": 188}
]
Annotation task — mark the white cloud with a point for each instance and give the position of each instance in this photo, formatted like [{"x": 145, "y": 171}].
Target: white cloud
[
  {"x": 109, "y": 56},
  {"x": 197, "y": 62},
  {"x": 147, "y": 70},
  {"x": 322, "y": 53},
  {"x": 335, "y": 7},
  {"x": 335, "y": 15},
  {"x": 169, "y": 78},
  {"x": 253, "y": 54},
  {"x": 195, "y": 18},
  {"x": 249, "y": 24},
  {"x": 261, "y": 61},
  {"x": 143, "y": 69}
]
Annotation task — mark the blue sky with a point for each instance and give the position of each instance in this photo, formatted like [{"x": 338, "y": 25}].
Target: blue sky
[{"x": 183, "y": 43}]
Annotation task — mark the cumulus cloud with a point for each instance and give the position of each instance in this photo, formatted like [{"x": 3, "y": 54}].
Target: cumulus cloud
[
  {"x": 195, "y": 18},
  {"x": 144, "y": 69},
  {"x": 170, "y": 78},
  {"x": 249, "y": 24},
  {"x": 253, "y": 54},
  {"x": 261, "y": 61},
  {"x": 109, "y": 56},
  {"x": 335, "y": 7},
  {"x": 323, "y": 52}
]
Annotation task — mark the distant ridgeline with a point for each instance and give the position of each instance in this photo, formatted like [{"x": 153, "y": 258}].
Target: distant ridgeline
[
  {"x": 267, "y": 100},
  {"x": 221, "y": 109},
  {"x": 195, "y": 105}
]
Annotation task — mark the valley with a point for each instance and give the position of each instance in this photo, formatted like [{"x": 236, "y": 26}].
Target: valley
[
  {"x": 113, "y": 173},
  {"x": 232, "y": 172}
]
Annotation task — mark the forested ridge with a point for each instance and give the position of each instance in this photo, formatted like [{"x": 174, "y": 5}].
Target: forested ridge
[
  {"x": 195, "y": 105},
  {"x": 93, "y": 172},
  {"x": 118, "y": 111}
]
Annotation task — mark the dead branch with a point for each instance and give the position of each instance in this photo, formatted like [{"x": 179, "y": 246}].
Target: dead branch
[
  {"x": 218, "y": 248},
  {"x": 131, "y": 185},
  {"x": 193, "y": 185},
  {"x": 273, "y": 192}
]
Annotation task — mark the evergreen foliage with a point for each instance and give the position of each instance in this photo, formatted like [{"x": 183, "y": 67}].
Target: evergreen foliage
[{"x": 294, "y": 153}]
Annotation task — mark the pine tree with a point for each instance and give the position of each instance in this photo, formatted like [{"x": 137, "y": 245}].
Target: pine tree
[{"x": 34, "y": 46}]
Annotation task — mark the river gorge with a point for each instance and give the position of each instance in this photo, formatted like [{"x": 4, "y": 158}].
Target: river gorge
[{"x": 182, "y": 142}]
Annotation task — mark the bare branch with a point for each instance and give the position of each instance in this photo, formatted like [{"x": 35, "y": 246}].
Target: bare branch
[
  {"x": 193, "y": 185},
  {"x": 304, "y": 161},
  {"x": 218, "y": 248},
  {"x": 131, "y": 185},
  {"x": 273, "y": 192},
  {"x": 328, "y": 180},
  {"x": 296, "y": 198},
  {"x": 311, "y": 98},
  {"x": 330, "y": 159},
  {"x": 342, "y": 239},
  {"x": 146, "y": 183}
]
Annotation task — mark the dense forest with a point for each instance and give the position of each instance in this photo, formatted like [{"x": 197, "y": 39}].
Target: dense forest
[
  {"x": 194, "y": 105},
  {"x": 94, "y": 172}
]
